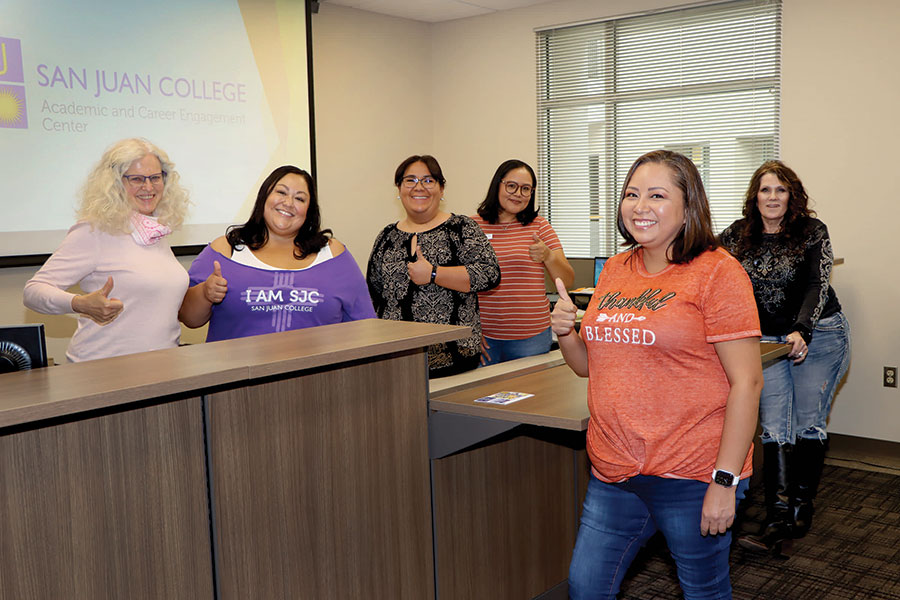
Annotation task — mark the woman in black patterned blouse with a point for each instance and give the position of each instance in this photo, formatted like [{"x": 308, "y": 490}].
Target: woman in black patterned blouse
[
  {"x": 430, "y": 266},
  {"x": 787, "y": 253}
]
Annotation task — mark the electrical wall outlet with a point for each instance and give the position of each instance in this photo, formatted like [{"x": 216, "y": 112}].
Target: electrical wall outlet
[{"x": 890, "y": 377}]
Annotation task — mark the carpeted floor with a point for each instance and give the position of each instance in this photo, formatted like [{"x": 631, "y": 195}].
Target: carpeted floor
[{"x": 851, "y": 553}]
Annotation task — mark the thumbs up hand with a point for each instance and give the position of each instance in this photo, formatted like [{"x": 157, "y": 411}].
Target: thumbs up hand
[
  {"x": 97, "y": 305},
  {"x": 419, "y": 269},
  {"x": 562, "y": 319},
  {"x": 215, "y": 286},
  {"x": 538, "y": 251}
]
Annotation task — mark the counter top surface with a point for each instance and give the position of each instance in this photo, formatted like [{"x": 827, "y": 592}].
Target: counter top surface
[
  {"x": 559, "y": 400},
  {"x": 560, "y": 396},
  {"x": 28, "y": 396}
]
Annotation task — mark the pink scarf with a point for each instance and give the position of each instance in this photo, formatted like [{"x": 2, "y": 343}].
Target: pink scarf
[{"x": 147, "y": 230}]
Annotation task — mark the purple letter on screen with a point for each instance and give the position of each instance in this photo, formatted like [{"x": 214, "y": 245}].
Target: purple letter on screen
[{"x": 11, "y": 60}]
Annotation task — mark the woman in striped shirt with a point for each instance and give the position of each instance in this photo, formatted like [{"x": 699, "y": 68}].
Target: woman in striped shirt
[{"x": 515, "y": 316}]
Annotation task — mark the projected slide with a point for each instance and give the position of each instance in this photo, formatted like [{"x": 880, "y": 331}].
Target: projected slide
[{"x": 220, "y": 85}]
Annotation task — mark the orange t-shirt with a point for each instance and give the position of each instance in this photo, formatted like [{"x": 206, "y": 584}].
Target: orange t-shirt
[{"x": 657, "y": 391}]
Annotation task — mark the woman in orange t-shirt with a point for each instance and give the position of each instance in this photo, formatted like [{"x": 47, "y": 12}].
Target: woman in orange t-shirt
[{"x": 669, "y": 342}]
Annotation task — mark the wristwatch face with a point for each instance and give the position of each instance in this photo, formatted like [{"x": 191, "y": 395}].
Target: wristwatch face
[{"x": 724, "y": 478}]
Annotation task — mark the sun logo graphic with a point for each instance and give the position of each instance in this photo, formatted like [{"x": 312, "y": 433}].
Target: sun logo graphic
[{"x": 12, "y": 97}]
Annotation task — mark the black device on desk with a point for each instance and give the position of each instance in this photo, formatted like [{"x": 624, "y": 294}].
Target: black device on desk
[
  {"x": 599, "y": 261},
  {"x": 22, "y": 347},
  {"x": 581, "y": 296}
]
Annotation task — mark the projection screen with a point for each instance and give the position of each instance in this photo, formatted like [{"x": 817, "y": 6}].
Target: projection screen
[{"x": 221, "y": 85}]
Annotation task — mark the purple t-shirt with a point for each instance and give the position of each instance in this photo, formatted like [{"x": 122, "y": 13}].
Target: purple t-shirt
[{"x": 262, "y": 301}]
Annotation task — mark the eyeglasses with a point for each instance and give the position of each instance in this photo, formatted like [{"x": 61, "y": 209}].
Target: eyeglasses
[
  {"x": 138, "y": 180},
  {"x": 410, "y": 181},
  {"x": 512, "y": 187}
]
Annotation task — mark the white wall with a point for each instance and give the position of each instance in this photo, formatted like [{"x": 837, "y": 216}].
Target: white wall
[
  {"x": 373, "y": 102},
  {"x": 840, "y": 127}
]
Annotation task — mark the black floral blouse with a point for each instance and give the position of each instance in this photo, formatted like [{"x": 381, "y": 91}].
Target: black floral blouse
[
  {"x": 791, "y": 284},
  {"x": 458, "y": 241}
]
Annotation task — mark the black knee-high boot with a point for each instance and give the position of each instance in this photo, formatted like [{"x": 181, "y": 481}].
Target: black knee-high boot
[
  {"x": 779, "y": 517},
  {"x": 806, "y": 472}
]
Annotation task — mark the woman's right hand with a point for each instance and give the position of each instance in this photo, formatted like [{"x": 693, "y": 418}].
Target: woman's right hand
[
  {"x": 562, "y": 319},
  {"x": 420, "y": 268},
  {"x": 485, "y": 355},
  {"x": 799, "y": 349},
  {"x": 538, "y": 251},
  {"x": 98, "y": 306},
  {"x": 215, "y": 287}
]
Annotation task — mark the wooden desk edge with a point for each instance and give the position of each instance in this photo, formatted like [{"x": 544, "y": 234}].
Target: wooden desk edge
[
  {"x": 69, "y": 406},
  {"x": 768, "y": 352},
  {"x": 351, "y": 349},
  {"x": 494, "y": 373},
  {"x": 31, "y": 396},
  {"x": 509, "y": 414}
]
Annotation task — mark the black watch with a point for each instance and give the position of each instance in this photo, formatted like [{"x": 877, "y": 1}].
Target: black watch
[
  {"x": 433, "y": 273},
  {"x": 725, "y": 478}
]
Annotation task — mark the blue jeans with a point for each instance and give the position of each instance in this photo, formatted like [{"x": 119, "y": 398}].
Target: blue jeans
[
  {"x": 619, "y": 518},
  {"x": 504, "y": 350},
  {"x": 796, "y": 399}
]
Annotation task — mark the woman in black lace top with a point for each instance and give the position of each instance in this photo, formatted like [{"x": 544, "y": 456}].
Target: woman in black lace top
[
  {"x": 430, "y": 266},
  {"x": 787, "y": 253}
]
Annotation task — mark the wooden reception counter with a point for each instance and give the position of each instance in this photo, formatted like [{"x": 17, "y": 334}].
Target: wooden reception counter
[
  {"x": 509, "y": 480},
  {"x": 291, "y": 465}
]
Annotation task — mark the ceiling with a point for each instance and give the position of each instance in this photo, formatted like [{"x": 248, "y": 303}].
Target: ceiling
[{"x": 433, "y": 11}]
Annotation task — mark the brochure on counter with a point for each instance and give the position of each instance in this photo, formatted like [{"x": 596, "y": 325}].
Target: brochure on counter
[{"x": 504, "y": 398}]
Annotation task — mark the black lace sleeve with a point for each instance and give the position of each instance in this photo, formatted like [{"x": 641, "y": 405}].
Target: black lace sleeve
[
  {"x": 475, "y": 252},
  {"x": 374, "y": 275},
  {"x": 818, "y": 260},
  {"x": 728, "y": 239}
]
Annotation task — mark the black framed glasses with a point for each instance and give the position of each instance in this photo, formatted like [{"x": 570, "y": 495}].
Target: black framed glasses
[
  {"x": 138, "y": 180},
  {"x": 410, "y": 181},
  {"x": 512, "y": 187}
]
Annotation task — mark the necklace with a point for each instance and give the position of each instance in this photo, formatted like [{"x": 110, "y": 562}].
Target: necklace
[{"x": 410, "y": 226}]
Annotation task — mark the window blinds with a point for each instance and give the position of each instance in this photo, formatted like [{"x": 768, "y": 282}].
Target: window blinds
[{"x": 703, "y": 81}]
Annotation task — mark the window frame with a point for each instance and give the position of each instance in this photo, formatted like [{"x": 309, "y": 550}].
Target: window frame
[{"x": 604, "y": 92}]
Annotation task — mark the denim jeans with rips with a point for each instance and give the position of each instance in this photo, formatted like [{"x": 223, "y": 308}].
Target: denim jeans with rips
[{"x": 796, "y": 399}]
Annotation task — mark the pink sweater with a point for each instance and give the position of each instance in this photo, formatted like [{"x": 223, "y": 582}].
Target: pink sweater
[{"x": 148, "y": 280}]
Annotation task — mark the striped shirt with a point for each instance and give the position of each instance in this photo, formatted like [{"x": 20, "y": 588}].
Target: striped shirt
[{"x": 518, "y": 307}]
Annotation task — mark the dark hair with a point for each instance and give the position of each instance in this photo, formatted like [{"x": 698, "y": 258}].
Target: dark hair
[
  {"x": 793, "y": 224},
  {"x": 489, "y": 209},
  {"x": 430, "y": 162},
  {"x": 254, "y": 234},
  {"x": 696, "y": 235}
]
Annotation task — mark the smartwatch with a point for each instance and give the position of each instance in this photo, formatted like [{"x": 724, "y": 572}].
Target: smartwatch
[
  {"x": 433, "y": 273},
  {"x": 725, "y": 478}
]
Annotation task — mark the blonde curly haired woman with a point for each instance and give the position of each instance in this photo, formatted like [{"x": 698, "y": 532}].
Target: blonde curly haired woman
[{"x": 117, "y": 253}]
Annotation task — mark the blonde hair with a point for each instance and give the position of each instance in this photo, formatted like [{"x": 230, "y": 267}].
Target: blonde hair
[{"x": 104, "y": 202}]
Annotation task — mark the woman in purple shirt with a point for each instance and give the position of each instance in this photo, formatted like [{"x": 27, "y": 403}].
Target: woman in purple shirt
[{"x": 278, "y": 271}]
